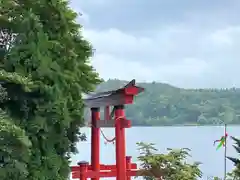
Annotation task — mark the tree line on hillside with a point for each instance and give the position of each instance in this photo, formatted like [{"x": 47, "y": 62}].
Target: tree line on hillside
[{"x": 162, "y": 104}]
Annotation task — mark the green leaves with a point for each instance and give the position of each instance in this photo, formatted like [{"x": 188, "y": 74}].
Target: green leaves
[
  {"x": 43, "y": 75},
  {"x": 170, "y": 166},
  {"x": 14, "y": 149},
  {"x": 235, "y": 174}
]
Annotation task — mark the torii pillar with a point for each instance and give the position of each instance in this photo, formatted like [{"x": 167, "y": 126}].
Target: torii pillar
[{"x": 123, "y": 169}]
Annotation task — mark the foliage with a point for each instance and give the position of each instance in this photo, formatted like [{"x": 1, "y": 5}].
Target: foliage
[
  {"x": 235, "y": 174},
  {"x": 163, "y": 104},
  {"x": 14, "y": 143},
  {"x": 44, "y": 71},
  {"x": 170, "y": 166}
]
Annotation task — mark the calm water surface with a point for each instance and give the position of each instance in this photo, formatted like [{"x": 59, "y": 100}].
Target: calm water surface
[{"x": 198, "y": 139}]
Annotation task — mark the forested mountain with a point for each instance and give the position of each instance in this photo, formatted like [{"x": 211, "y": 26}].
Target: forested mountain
[{"x": 163, "y": 104}]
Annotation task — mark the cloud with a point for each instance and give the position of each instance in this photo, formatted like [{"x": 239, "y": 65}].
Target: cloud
[
  {"x": 228, "y": 36},
  {"x": 114, "y": 67},
  {"x": 178, "y": 51}
]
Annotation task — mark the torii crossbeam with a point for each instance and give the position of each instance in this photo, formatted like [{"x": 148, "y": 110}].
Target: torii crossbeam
[{"x": 124, "y": 169}]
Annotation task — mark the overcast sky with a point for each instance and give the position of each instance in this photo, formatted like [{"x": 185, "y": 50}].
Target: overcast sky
[{"x": 186, "y": 43}]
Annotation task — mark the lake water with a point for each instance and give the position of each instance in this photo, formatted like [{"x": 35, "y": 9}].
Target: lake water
[{"x": 198, "y": 139}]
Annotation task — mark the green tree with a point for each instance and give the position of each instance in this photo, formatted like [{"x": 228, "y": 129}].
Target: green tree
[
  {"x": 235, "y": 174},
  {"x": 14, "y": 143},
  {"x": 48, "y": 58},
  {"x": 170, "y": 166},
  {"x": 164, "y": 105}
]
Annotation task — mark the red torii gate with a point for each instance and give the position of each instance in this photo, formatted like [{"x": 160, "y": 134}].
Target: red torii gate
[{"x": 124, "y": 169}]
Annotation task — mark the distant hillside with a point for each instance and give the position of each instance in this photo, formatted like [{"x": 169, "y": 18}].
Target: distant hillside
[{"x": 163, "y": 104}]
